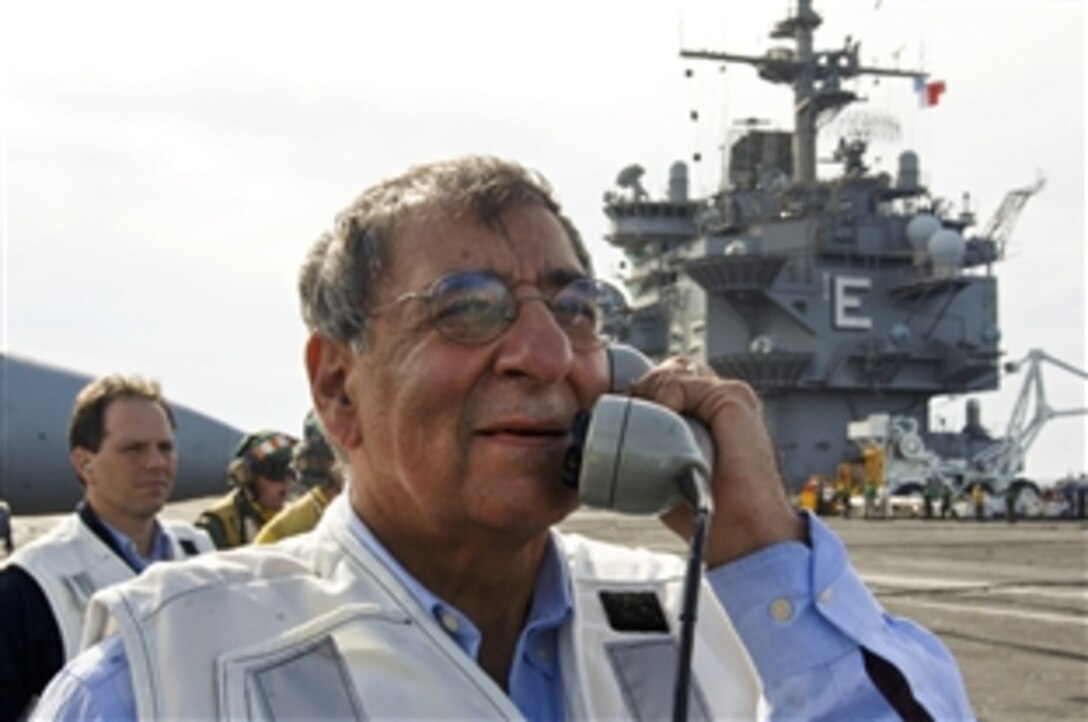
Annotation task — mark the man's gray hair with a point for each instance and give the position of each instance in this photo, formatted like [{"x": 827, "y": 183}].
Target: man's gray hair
[{"x": 338, "y": 279}]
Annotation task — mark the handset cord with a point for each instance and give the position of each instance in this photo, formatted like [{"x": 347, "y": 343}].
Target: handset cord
[{"x": 693, "y": 483}]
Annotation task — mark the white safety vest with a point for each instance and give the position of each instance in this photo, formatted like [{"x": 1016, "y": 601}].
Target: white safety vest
[
  {"x": 70, "y": 563},
  {"x": 318, "y": 628}
]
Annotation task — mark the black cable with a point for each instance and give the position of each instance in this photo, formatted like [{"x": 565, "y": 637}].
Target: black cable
[{"x": 693, "y": 578}]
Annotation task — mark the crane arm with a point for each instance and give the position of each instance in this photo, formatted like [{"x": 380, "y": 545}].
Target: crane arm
[
  {"x": 1003, "y": 459},
  {"x": 999, "y": 227}
]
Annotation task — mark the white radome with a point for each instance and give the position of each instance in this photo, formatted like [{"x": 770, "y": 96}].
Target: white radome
[
  {"x": 920, "y": 228},
  {"x": 946, "y": 247}
]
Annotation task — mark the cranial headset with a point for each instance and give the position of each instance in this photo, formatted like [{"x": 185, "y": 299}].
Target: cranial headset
[{"x": 264, "y": 453}]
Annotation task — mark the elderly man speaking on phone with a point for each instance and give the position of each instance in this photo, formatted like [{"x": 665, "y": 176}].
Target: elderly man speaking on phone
[{"x": 456, "y": 333}]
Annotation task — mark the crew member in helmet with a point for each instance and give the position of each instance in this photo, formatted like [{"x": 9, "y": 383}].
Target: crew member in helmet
[
  {"x": 260, "y": 473},
  {"x": 320, "y": 473}
]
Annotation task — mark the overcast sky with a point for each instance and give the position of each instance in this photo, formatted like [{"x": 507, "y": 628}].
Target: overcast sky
[{"x": 166, "y": 165}]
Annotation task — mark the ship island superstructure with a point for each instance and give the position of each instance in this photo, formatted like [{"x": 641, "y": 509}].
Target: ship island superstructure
[{"x": 837, "y": 298}]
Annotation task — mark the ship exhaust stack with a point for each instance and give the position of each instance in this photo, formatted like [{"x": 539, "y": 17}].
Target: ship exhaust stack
[{"x": 908, "y": 178}]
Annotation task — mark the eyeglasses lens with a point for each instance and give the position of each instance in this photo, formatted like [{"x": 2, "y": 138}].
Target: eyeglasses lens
[
  {"x": 471, "y": 308},
  {"x": 577, "y": 310},
  {"x": 475, "y": 308}
]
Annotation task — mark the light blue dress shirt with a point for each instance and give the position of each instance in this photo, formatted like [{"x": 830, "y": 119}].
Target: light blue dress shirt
[
  {"x": 160, "y": 546},
  {"x": 801, "y": 610}
]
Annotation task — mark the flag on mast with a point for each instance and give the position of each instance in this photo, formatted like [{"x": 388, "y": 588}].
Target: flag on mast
[{"x": 929, "y": 93}]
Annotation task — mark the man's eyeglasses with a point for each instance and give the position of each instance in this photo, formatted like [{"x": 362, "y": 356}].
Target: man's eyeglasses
[{"x": 472, "y": 308}]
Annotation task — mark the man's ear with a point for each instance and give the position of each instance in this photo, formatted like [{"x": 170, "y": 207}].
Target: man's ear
[
  {"x": 329, "y": 365},
  {"x": 80, "y": 459}
]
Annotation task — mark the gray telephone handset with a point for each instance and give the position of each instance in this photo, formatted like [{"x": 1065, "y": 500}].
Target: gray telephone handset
[
  {"x": 636, "y": 457},
  {"x": 633, "y": 456}
]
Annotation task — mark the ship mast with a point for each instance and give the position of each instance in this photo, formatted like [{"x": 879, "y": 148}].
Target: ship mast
[{"x": 816, "y": 78}]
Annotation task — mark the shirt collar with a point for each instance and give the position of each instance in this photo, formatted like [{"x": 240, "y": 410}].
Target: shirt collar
[
  {"x": 551, "y": 604},
  {"x": 160, "y": 546}
]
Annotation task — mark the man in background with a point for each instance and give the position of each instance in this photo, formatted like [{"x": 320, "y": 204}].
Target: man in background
[
  {"x": 121, "y": 445},
  {"x": 260, "y": 473}
]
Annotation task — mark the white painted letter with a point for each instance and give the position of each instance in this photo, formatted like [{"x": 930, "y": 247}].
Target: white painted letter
[{"x": 845, "y": 302}]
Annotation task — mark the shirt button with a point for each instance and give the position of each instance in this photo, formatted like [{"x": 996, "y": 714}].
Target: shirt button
[
  {"x": 827, "y": 595},
  {"x": 542, "y": 654},
  {"x": 781, "y": 610},
  {"x": 449, "y": 622}
]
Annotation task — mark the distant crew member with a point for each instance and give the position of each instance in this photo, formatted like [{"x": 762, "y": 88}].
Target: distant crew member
[
  {"x": 5, "y": 527},
  {"x": 927, "y": 501},
  {"x": 320, "y": 473},
  {"x": 869, "y": 493},
  {"x": 946, "y": 502},
  {"x": 260, "y": 473},
  {"x": 121, "y": 445},
  {"x": 978, "y": 496},
  {"x": 1011, "y": 493}
]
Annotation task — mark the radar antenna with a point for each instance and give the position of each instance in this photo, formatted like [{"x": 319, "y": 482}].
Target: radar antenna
[
  {"x": 866, "y": 125},
  {"x": 856, "y": 128},
  {"x": 631, "y": 177}
]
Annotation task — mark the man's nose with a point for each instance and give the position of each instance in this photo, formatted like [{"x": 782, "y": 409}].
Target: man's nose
[
  {"x": 157, "y": 458},
  {"x": 536, "y": 345}
]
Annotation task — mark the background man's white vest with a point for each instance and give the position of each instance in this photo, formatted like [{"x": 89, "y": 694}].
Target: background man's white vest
[{"x": 70, "y": 563}]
